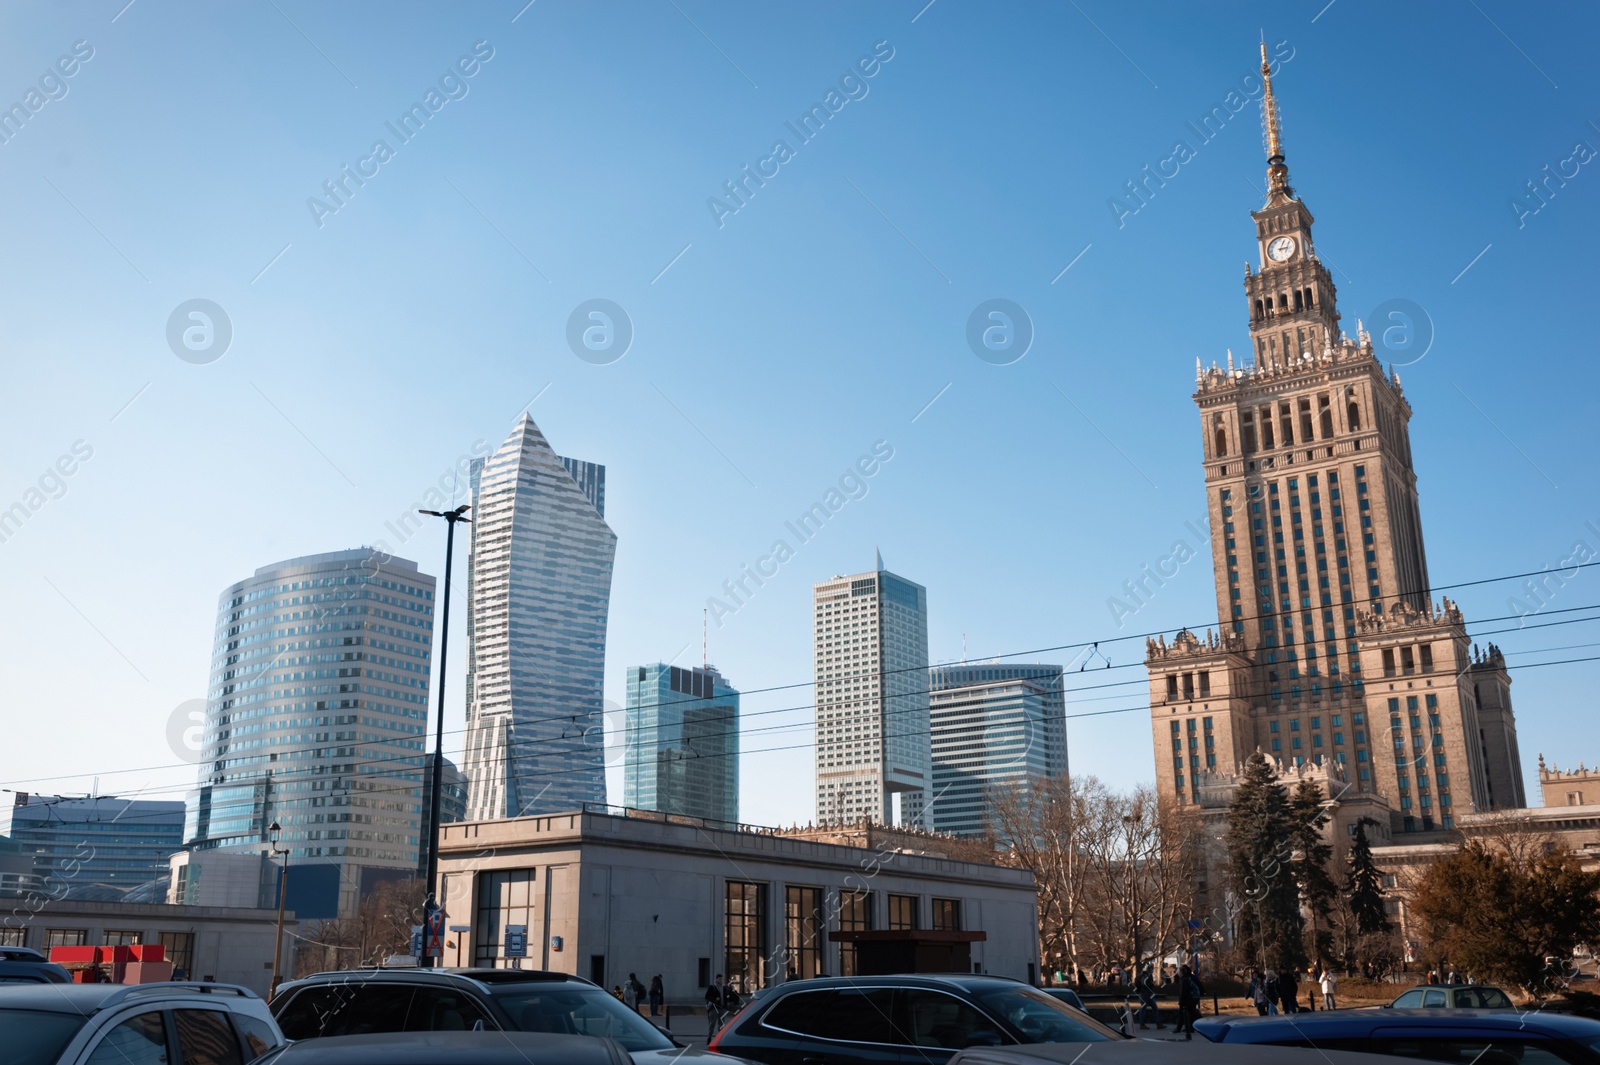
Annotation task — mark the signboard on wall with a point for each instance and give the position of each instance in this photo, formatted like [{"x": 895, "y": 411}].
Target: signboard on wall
[{"x": 516, "y": 941}]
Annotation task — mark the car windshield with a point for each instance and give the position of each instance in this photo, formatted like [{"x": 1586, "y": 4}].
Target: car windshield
[
  {"x": 35, "y": 1037},
  {"x": 570, "y": 1010},
  {"x": 1038, "y": 1018}
]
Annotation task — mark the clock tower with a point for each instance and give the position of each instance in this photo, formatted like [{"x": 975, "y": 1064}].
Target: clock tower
[
  {"x": 1331, "y": 657},
  {"x": 1292, "y": 298}
]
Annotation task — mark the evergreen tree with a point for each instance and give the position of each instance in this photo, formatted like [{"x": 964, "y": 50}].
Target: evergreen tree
[
  {"x": 1364, "y": 885},
  {"x": 1261, "y": 856},
  {"x": 1312, "y": 855}
]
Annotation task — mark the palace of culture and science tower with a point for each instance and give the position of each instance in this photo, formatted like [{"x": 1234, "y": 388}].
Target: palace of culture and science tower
[{"x": 1332, "y": 658}]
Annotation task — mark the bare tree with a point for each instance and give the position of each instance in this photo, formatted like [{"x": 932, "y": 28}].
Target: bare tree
[{"x": 1035, "y": 825}]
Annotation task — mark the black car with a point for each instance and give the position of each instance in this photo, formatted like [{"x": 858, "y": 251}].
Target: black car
[
  {"x": 1484, "y": 1037},
  {"x": 918, "y": 1020},
  {"x": 366, "y": 1001},
  {"x": 452, "y": 1048}
]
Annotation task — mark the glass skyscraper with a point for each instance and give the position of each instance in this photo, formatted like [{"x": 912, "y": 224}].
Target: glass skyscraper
[
  {"x": 871, "y": 663},
  {"x": 316, "y": 717},
  {"x": 994, "y": 725},
  {"x": 539, "y": 585},
  {"x": 681, "y": 742}
]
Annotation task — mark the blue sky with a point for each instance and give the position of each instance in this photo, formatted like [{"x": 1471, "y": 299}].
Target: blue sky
[{"x": 769, "y": 351}]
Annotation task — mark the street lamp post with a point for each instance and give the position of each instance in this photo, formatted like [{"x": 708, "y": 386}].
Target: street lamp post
[
  {"x": 431, "y": 906},
  {"x": 274, "y": 833}
]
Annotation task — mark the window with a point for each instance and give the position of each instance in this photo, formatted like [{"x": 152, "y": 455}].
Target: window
[
  {"x": 345, "y": 1009},
  {"x": 66, "y": 937},
  {"x": 504, "y": 898},
  {"x": 929, "y": 1018},
  {"x": 120, "y": 937},
  {"x": 440, "y": 1009},
  {"x": 744, "y": 934},
  {"x": 804, "y": 929},
  {"x": 857, "y": 1015},
  {"x": 140, "y": 1040},
  {"x": 180, "y": 952},
  {"x": 947, "y": 915},
  {"x": 13, "y": 937},
  {"x": 855, "y": 915},
  {"x": 903, "y": 911},
  {"x": 206, "y": 1038},
  {"x": 257, "y": 1035}
]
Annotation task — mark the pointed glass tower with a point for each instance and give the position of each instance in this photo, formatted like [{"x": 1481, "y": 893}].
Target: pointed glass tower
[{"x": 539, "y": 584}]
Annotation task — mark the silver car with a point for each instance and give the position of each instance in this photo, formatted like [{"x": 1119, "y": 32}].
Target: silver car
[{"x": 139, "y": 1024}]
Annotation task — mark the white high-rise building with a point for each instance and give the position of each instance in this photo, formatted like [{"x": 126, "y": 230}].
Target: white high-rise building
[
  {"x": 539, "y": 583},
  {"x": 871, "y": 664}
]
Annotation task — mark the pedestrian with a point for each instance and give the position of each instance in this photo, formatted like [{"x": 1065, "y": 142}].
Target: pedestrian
[
  {"x": 1289, "y": 991},
  {"x": 616, "y": 992},
  {"x": 1311, "y": 993},
  {"x": 1454, "y": 977},
  {"x": 1330, "y": 987},
  {"x": 1148, "y": 1010},
  {"x": 1257, "y": 993},
  {"x": 630, "y": 992},
  {"x": 658, "y": 995},
  {"x": 1189, "y": 992},
  {"x": 716, "y": 1001},
  {"x": 1270, "y": 985}
]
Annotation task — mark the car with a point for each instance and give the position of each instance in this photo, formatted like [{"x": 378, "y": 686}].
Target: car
[
  {"x": 878, "y": 1020},
  {"x": 134, "y": 1024},
  {"x": 364, "y": 1001},
  {"x": 452, "y": 1048},
  {"x": 1453, "y": 996},
  {"x": 24, "y": 965},
  {"x": 1156, "y": 1052},
  {"x": 1065, "y": 994},
  {"x": 1487, "y": 1037}
]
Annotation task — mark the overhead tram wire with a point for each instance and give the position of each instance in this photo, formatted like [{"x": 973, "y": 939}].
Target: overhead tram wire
[{"x": 1080, "y": 645}]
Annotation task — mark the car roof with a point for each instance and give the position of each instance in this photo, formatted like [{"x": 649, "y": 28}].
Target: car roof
[
  {"x": 1447, "y": 987},
  {"x": 1336, "y": 1024},
  {"x": 965, "y": 981},
  {"x": 88, "y": 998},
  {"x": 1159, "y": 1052},
  {"x": 453, "y": 1048},
  {"x": 486, "y": 978}
]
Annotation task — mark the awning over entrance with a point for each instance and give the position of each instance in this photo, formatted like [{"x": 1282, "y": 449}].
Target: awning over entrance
[{"x": 880, "y": 952}]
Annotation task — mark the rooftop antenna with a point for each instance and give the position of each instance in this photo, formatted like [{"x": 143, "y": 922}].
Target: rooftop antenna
[
  {"x": 963, "y": 648},
  {"x": 705, "y": 659}
]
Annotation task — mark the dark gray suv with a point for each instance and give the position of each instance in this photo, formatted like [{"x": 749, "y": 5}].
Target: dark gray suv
[{"x": 365, "y": 1001}]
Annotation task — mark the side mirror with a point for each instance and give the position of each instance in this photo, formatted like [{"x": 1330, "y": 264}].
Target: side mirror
[{"x": 668, "y": 1033}]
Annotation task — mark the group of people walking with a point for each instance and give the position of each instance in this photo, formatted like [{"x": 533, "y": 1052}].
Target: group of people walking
[
  {"x": 634, "y": 994},
  {"x": 1190, "y": 993},
  {"x": 1273, "y": 992}
]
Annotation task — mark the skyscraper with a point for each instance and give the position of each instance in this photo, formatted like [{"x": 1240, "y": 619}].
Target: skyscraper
[
  {"x": 98, "y": 847},
  {"x": 539, "y": 585},
  {"x": 1333, "y": 659},
  {"x": 681, "y": 742},
  {"x": 315, "y": 718},
  {"x": 871, "y": 665},
  {"x": 994, "y": 725}
]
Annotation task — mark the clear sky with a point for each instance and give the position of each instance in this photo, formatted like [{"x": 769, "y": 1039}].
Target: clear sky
[{"x": 374, "y": 344}]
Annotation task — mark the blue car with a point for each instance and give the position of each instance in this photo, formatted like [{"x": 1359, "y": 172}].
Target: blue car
[{"x": 1464, "y": 1037}]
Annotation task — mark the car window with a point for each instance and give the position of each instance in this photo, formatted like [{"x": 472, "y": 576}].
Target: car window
[
  {"x": 856, "y": 1015},
  {"x": 797, "y": 1012},
  {"x": 257, "y": 1034},
  {"x": 444, "y": 1009},
  {"x": 1409, "y": 1001},
  {"x": 1037, "y": 1018},
  {"x": 1432, "y": 998},
  {"x": 206, "y": 1038},
  {"x": 36, "y": 1037},
  {"x": 928, "y": 1018},
  {"x": 1481, "y": 998},
  {"x": 1467, "y": 1050},
  {"x": 573, "y": 1009},
  {"x": 140, "y": 1040},
  {"x": 346, "y": 1008}
]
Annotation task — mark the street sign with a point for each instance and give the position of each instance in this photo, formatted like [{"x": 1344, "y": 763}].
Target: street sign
[
  {"x": 516, "y": 941},
  {"x": 416, "y": 941},
  {"x": 461, "y": 928},
  {"x": 433, "y": 945}
]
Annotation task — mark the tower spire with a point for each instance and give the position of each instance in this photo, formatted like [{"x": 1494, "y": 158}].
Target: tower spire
[{"x": 1278, "y": 190}]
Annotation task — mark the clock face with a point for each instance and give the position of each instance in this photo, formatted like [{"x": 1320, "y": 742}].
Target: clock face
[{"x": 1280, "y": 249}]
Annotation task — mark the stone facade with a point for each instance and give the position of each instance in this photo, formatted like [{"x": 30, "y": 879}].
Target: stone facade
[
  {"x": 1332, "y": 652},
  {"x": 1569, "y": 787}
]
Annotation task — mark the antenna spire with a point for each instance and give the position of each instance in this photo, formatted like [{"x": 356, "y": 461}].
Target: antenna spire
[{"x": 1278, "y": 190}]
